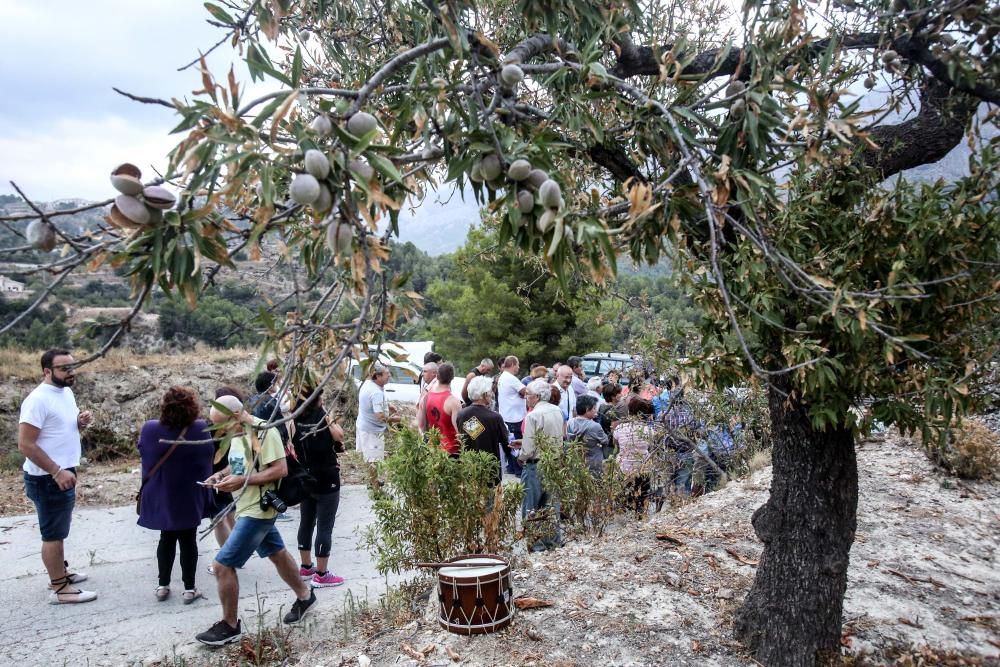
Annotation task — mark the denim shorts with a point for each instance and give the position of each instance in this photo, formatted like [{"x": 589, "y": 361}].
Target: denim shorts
[
  {"x": 250, "y": 535},
  {"x": 53, "y": 506}
]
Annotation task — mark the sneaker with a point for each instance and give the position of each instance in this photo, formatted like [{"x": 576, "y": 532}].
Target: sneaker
[
  {"x": 284, "y": 516},
  {"x": 326, "y": 580},
  {"x": 307, "y": 572},
  {"x": 190, "y": 596},
  {"x": 221, "y": 634},
  {"x": 300, "y": 607},
  {"x": 66, "y": 593},
  {"x": 162, "y": 593},
  {"x": 74, "y": 577}
]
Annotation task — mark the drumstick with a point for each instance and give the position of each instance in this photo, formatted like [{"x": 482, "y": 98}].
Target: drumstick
[{"x": 460, "y": 564}]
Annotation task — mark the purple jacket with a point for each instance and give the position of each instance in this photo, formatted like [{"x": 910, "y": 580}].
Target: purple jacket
[{"x": 172, "y": 499}]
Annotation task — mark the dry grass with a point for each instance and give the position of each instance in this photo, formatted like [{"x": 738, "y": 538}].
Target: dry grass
[
  {"x": 24, "y": 365},
  {"x": 972, "y": 452}
]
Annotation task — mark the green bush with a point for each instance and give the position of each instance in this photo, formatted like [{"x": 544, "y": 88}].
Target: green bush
[
  {"x": 430, "y": 507},
  {"x": 586, "y": 503}
]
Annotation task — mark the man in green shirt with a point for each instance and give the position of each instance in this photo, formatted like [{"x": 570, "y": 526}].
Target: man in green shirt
[{"x": 256, "y": 466}]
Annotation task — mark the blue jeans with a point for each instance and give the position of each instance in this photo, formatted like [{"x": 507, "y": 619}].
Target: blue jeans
[
  {"x": 319, "y": 510},
  {"x": 535, "y": 498},
  {"x": 250, "y": 535},
  {"x": 53, "y": 506}
]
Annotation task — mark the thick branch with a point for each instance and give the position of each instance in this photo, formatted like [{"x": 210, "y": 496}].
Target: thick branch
[
  {"x": 541, "y": 43},
  {"x": 645, "y": 60},
  {"x": 927, "y": 137}
]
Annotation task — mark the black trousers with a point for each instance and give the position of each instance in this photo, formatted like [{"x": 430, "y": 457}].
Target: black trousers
[{"x": 166, "y": 550}]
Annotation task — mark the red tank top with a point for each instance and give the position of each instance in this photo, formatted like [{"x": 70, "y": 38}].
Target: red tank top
[{"x": 441, "y": 420}]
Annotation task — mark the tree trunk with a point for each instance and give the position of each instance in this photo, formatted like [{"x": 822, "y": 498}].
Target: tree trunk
[{"x": 792, "y": 615}]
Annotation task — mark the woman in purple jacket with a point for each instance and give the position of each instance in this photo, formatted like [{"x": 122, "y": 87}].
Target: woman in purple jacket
[{"x": 172, "y": 501}]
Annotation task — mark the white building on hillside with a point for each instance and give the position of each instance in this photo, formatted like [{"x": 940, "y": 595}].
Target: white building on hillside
[{"x": 8, "y": 286}]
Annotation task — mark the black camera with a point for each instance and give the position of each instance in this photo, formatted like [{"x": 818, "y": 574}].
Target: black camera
[{"x": 270, "y": 499}]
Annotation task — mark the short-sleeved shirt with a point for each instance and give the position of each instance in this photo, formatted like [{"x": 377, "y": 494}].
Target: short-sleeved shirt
[
  {"x": 482, "y": 430},
  {"x": 53, "y": 411},
  {"x": 371, "y": 401},
  {"x": 509, "y": 400},
  {"x": 241, "y": 463}
]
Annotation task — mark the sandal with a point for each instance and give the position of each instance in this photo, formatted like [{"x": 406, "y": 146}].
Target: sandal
[
  {"x": 66, "y": 593},
  {"x": 190, "y": 596},
  {"x": 162, "y": 593}
]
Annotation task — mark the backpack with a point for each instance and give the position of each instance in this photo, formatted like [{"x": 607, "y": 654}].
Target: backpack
[{"x": 296, "y": 485}]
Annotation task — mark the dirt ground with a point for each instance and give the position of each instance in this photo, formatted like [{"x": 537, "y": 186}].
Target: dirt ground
[{"x": 924, "y": 581}]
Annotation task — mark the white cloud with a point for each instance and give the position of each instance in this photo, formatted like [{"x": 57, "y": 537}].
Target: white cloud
[{"x": 75, "y": 156}]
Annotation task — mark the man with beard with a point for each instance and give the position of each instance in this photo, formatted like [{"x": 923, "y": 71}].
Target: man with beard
[{"x": 49, "y": 437}]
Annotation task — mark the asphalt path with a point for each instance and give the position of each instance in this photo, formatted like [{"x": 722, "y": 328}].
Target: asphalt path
[{"x": 126, "y": 625}]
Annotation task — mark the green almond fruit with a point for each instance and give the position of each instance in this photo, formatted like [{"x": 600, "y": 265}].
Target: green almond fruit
[
  {"x": 550, "y": 194},
  {"x": 519, "y": 170},
  {"x": 361, "y": 123}
]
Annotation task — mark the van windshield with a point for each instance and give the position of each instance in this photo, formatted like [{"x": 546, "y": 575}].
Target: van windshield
[{"x": 591, "y": 367}]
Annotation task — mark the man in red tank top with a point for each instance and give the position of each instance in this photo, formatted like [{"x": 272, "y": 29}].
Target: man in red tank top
[{"x": 439, "y": 409}]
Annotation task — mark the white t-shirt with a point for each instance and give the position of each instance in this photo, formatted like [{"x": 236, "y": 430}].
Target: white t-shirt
[
  {"x": 371, "y": 400},
  {"x": 510, "y": 402},
  {"x": 53, "y": 410}
]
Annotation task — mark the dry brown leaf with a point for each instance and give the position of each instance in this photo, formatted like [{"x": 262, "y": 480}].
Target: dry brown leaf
[
  {"x": 525, "y": 602},
  {"x": 695, "y": 646},
  {"x": 427, "y": 650},
  {"x": 912, "y": 624},
  {"x": 452, "y": 654},
  {"x": 741, "y": 558},
  {"x": 667, "y": 537},
  {"x": 533, "y": 634},
  {"x": 412, "y": 652}
]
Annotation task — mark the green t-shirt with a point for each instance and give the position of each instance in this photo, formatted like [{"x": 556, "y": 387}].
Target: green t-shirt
[{"x": 241, "y": 463}]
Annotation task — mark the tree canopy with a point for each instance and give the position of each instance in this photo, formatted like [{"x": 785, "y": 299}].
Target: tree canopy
[{"x": 754, "y": 147}]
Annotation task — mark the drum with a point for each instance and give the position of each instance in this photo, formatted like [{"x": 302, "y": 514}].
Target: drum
[{"x": 474, "y": 595}]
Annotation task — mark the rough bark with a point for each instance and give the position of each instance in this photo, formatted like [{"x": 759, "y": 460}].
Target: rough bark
[{"x": 792, "y": 615}]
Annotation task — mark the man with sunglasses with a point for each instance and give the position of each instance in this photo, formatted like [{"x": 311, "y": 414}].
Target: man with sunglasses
[{"x": 49, "y": 437}]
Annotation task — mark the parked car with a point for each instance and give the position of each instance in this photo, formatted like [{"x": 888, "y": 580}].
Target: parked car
[
  {"x": 404, "y": 380},
  {"x": 600, "y": 363}
]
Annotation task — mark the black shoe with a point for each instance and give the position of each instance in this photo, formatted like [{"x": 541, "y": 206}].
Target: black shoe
[
  {"x": 300, "y": 607},
  {"x": 221, "y": 634}
]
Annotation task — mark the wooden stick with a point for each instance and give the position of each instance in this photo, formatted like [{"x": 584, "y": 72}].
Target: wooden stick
[{"x": 458, "y": 564}]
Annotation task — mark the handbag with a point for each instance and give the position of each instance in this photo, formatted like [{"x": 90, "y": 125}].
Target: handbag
[{"x": 146, "y": 478}]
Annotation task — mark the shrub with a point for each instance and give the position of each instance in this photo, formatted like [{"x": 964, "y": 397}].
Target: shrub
[
  {"x": 586, "y": 503},
  {"x": 430, "y": 507},
  {"x": 971, "y": 452}
]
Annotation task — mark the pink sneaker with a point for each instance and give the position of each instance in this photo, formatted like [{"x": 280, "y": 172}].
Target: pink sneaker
[
  {"x": 307, "y": 572},
  {"x": 326, "y": 580}
]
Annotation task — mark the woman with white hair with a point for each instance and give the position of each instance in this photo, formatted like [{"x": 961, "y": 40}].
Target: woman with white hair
[{"x": 480, "y": 428}]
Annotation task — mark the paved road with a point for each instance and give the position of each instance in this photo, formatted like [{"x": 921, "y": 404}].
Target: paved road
[{"x": 126, "y": 625}]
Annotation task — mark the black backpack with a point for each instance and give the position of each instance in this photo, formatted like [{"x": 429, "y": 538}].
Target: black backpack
[{"x": 297, "y": 484}]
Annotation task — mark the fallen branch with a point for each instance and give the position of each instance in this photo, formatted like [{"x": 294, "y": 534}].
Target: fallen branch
[{"x": 913, "y": 580}]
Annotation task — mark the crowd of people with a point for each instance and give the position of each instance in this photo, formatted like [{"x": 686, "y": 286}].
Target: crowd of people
[
  {"x": 227, "y": 469},
  {"x": 233, "y": 467},
  {"x": 645, "y": 424}
]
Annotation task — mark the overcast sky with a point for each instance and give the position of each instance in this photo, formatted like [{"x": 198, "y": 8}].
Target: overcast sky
[{"x": 62, "y": 128}]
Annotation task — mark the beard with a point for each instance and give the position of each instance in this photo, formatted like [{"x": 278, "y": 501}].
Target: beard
[{"x": 63, "y": 382}]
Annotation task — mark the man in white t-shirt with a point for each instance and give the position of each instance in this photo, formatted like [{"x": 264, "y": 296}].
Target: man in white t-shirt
[
  {"x": 48, "y": 435},
  {"x": 374, "y": 414},
  {"x": 511, "y": 406}
]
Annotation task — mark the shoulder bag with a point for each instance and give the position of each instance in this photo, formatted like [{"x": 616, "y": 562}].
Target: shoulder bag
[{"x": 146, "y": 478}]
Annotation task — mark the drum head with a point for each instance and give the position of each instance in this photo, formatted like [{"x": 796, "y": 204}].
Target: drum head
[{"x": 489, "y": 566}]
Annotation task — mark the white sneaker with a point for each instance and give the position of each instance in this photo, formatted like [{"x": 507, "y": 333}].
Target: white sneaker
[{"x": 67, "y": 594}]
